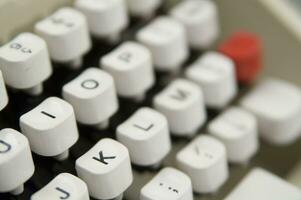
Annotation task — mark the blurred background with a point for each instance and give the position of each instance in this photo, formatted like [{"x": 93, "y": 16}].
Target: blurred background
[{"x": 276, "y": 21}]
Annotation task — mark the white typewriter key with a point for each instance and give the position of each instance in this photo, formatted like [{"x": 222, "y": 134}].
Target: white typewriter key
[
  {"x": 4, "y": 96},
  {"x": 143, "y": 9},
  {"x": 166, "y": 39},
  {"x": 16, "y": 164},
  {"x": 106, "y": 168},
  {"x": 200, "y": 18},
  {"x": 106, "y": 19},
  {"x": 182, "y": 104},
  {"x": 67, "y": 36},
  {"x": 204, "y": 160},
  {"x": 261, "y": 184},
  {"x": 25, "y": 63},
  {"x": 93, "y": 97},
  {"x": 237, "y": 129},
  {"x": 132, "y": 69},
  {"x": 215, "y": 74},
  {"x": 50, "y": 128},
  {"x": 169, "y": 183},
  {"x": 63, "y": 186},
  {"x": 146, "y": 136},
  {"x": 277, "y": 107}
]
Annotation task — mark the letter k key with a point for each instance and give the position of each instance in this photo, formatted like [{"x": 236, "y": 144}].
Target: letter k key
[{"x": 103, "y": 159}]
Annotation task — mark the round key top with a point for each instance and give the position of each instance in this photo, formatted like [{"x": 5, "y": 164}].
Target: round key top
[
  {"x": 215, "y": 74},
  {"x": 106, "y": 19},
  {"x": 246, "y": 51},
  {"x": 16, "y": 164},
  {"x": 146, "y": 135},
  {"x": 183, "y": 105},
  {"x": 200, "y": 19},
  {"x": 25, "y": 63},
  {"x": 204, "y": 160},
  {"x": 106, "y": 168},
  {"x": 93, "y": 97},
  {"x": 51, "y": 128},
  {"x": 132, "y": 69},
  {"x": 66, "y": 34},
  {"x": 166, "y": 39},
  {"x": 237, "y": 129},
  {"x": 143, "y": 8},
  {"x": 63, "y": 186}
]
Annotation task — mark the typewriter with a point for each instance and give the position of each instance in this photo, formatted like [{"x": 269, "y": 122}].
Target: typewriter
[{"x": 141, "y": 100}]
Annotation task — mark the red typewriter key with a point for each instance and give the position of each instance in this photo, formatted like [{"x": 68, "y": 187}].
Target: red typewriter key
[{"x": 246, "y": 51}]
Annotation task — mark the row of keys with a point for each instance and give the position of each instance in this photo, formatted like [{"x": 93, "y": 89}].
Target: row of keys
[
  {"x": 67, "y": 186},
  {"x": 182, "y": 102},
  {"x": 108, "y": 160},
  {"x": 108, "y": 19},
  {"x": 171, "y": 183},
  {"x": 98, "y": 168},
  {"x": 105, "y": 168},
  {"x": 132, "y": 69},
  {"x": 165, "y": 37},
  {"x": 221, "y": 85},
  {"x": 213, "y": 73}
]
